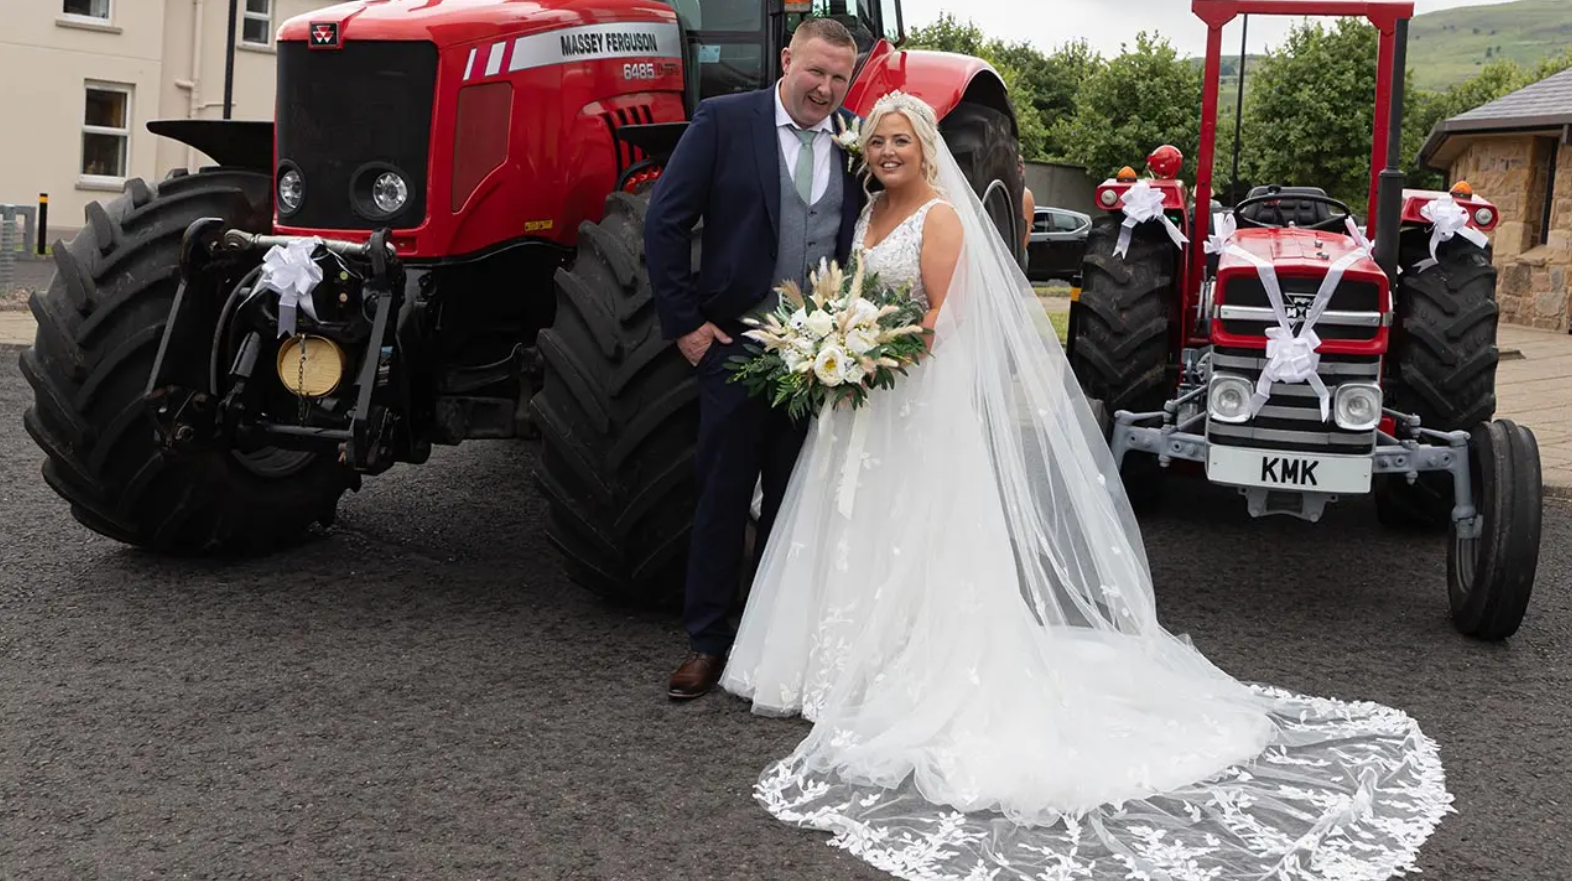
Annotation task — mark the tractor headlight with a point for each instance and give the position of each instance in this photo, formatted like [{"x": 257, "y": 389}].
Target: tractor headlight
[
  {"x": 1484, "y": 216},
  {"x": 1357, "y": 406},
  {"x": 291, "y": 190},
  {"x": 389, "y": 192},
  {"x": 1228, "y": 398}
]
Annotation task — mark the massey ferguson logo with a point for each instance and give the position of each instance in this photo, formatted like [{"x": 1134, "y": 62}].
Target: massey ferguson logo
[
  {"x": 324, "y": 35},
  {"x": 1297, "y": 306}
]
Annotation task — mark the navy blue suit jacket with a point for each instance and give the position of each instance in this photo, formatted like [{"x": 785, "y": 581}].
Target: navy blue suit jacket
[{"x": 725, "y": 170}]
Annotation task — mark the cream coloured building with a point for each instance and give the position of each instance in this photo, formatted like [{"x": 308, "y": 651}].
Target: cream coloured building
[{"x": 82, "y": 78}]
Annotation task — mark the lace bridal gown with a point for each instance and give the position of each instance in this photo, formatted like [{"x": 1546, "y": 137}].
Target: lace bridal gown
[{"x": 957, "y": 594}]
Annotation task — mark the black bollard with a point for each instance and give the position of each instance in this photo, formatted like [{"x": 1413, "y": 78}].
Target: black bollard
[{"x": 43, "y": 224}]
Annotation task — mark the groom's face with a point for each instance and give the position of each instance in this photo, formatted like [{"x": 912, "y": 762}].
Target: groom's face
[{"x": 817, "y": 75}]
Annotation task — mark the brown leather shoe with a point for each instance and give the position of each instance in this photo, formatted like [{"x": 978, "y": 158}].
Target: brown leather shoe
[{"x": 697, "y": 675}]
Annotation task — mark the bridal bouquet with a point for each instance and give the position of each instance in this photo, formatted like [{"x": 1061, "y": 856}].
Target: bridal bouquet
[{"x": 847, "y": 336}]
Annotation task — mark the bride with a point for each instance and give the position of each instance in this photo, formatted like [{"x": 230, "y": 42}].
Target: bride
[{"x": 956, "y": 593}]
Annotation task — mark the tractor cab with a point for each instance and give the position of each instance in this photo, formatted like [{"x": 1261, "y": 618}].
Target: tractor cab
[
  {"x": 1284, "y": 349},
  {"x": 734, "y": 45}
]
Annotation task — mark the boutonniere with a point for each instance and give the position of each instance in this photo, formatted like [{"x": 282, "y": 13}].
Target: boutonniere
[{"x": 849, "y": 138}]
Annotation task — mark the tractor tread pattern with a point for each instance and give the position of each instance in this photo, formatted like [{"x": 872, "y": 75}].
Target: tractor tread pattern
[{"x": 99, "y": 325}]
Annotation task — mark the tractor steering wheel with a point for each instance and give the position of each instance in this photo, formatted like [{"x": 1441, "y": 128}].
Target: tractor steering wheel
[{"x": 1340, "y": 216}]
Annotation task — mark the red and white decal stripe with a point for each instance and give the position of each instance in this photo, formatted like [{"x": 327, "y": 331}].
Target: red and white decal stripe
[{"x": 574, "y": 45}]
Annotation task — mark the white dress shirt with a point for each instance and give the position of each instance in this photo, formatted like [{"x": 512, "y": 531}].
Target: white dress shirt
[{"x": 823, "y": 146}]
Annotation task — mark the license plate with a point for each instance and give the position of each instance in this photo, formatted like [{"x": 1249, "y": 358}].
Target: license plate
[{"x": 1290, "y": 471}]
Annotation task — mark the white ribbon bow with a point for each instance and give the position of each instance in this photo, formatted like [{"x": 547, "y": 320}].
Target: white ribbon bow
[
  {"x": 1291, "y": 358},
  {"x": 290, "y": 270},
  {"x": 1448, "y": 219},
  {"x": 1223, "y": 228},
  {"x": 1142, "y": 204}
]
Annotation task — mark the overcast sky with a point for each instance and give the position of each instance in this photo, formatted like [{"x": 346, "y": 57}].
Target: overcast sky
[{"x": 1104, "y": 24}]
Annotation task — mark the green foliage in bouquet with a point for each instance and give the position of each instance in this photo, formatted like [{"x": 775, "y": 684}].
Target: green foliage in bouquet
[{"x": 849, "y": 335}]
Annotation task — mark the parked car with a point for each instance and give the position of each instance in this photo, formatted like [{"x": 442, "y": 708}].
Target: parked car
[{"x": 1058, "y": 239}]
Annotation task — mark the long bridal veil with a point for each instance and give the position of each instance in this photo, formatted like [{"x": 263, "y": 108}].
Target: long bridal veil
[{"x": 1007, "y": 704}]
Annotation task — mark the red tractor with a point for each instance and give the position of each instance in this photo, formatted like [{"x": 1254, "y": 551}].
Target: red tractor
[
  {"x": 468, "y": 180},
  {"x": 1274, "y": 348}
]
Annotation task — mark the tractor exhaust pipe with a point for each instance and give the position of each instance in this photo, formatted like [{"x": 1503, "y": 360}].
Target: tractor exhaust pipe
[{"x": 1389, "y": 199}]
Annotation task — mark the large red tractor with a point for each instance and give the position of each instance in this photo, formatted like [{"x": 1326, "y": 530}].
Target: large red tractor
[
  {"x": 1273, "y": 347},
  {"x": 471, "y": 176}
]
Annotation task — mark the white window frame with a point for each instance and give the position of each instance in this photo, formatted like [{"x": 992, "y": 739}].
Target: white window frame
[
  {"x": 247, "y": 15},
  {"x": 107, "y": 18},
  {"x": 104, "y": 180}
]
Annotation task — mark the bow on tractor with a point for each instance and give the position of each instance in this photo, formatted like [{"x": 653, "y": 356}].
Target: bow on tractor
[
  {"x": 1274, "y": 347},
  {"x": 437, "y": 239}
]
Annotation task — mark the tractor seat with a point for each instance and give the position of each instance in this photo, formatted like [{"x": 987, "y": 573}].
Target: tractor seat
[{"x": 1289, "y": 210}]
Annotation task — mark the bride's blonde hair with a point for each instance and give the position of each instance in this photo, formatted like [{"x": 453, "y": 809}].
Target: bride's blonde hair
[{"x": 924, "y": 122}]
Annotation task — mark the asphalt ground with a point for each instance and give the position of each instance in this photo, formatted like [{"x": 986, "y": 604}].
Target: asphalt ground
[{"x": 422, "y": 695}]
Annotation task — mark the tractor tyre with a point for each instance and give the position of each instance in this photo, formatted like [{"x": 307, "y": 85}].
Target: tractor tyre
[
  {"x": 100, "y": 324},
  {"x": 1121, "y": 353},
  {"x": 985, "y": 147},
  {"x": 1445, "y": 356},
  {"x": 1490, "y": 578},
  {"x": 618, "y": 418}
]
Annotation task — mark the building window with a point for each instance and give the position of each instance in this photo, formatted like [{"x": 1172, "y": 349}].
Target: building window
[
  {"x": 256, "y": 27},
  {"x": 94, "y": 9},
  {"x": 106, "y": 133}
]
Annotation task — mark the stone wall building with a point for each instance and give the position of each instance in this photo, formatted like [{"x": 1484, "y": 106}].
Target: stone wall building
[{"x": 1516, "y": 151}]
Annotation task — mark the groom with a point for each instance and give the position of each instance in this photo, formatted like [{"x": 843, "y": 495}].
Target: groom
[{"x": 761, "y": 170}]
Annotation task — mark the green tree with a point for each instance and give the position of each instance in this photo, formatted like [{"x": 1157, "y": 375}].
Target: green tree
[
  {"x": 1145, "y": 97},
  {"x": 1042, "y": 87}
]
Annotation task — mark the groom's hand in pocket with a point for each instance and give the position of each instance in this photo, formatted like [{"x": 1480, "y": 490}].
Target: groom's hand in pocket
[{"x": 695, "y": 343}]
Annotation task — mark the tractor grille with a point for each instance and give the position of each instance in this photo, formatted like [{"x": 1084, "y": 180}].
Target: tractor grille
[
  {"x": 1291, "y": 418},
  {"x": 346, "y": 113},
  {"x": 1354, "y": 312}
]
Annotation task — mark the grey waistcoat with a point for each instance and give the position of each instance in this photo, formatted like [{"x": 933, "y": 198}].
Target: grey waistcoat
[{"x": 808, "y": 233}]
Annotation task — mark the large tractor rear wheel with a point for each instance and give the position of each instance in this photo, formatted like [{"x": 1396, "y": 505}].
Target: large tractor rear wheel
[
  {"x": 1444, "y": 356},
  {"x": 618, "y": 417},
  {"x": 985, "y": 146},
  {"x": 100, "y": 324},
  {"x": 1121, "y": 349}
]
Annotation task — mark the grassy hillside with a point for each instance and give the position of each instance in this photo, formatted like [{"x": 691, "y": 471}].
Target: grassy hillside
[{"x": 1447, "y": 47}]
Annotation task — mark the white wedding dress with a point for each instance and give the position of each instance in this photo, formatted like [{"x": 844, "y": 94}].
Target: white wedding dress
[{"x": 956, "y": 593}]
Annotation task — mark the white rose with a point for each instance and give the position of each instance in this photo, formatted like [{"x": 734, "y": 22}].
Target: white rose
[
  {"x": 830, "y": 366},
  {"x": 804, "y": 345},
  {"x": 854, "y": 371},
  {"x": 793, "y": 359},
  {"x": 860, "y": 341},
  {"x": 820, "y": 323},
  {"x": 865, "y": 313}
]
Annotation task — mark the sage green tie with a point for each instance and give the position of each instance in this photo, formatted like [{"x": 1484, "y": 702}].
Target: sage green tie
[{"x": 804, "y": 176}]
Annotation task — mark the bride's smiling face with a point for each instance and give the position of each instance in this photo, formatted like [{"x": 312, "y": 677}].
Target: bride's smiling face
[{"x": 894, "y": 153}]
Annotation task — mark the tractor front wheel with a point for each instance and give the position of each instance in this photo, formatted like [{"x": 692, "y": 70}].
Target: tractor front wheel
[
  {"x": 1490, "y": 577},
  {"x": 100, "y": 324}
]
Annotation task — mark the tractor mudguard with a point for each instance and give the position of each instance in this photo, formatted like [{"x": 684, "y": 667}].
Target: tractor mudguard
[
  {"x": 233, "y": 143},
  {"x": 942, "y": 79}
]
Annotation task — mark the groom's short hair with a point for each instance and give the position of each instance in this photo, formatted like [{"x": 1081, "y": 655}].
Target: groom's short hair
[{"x": 827, "y": 29}]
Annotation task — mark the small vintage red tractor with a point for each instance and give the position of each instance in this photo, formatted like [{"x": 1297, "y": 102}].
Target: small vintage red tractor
[
  {"x": 469, "y": 178},
  {"x": 1273, "y": 348}
]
